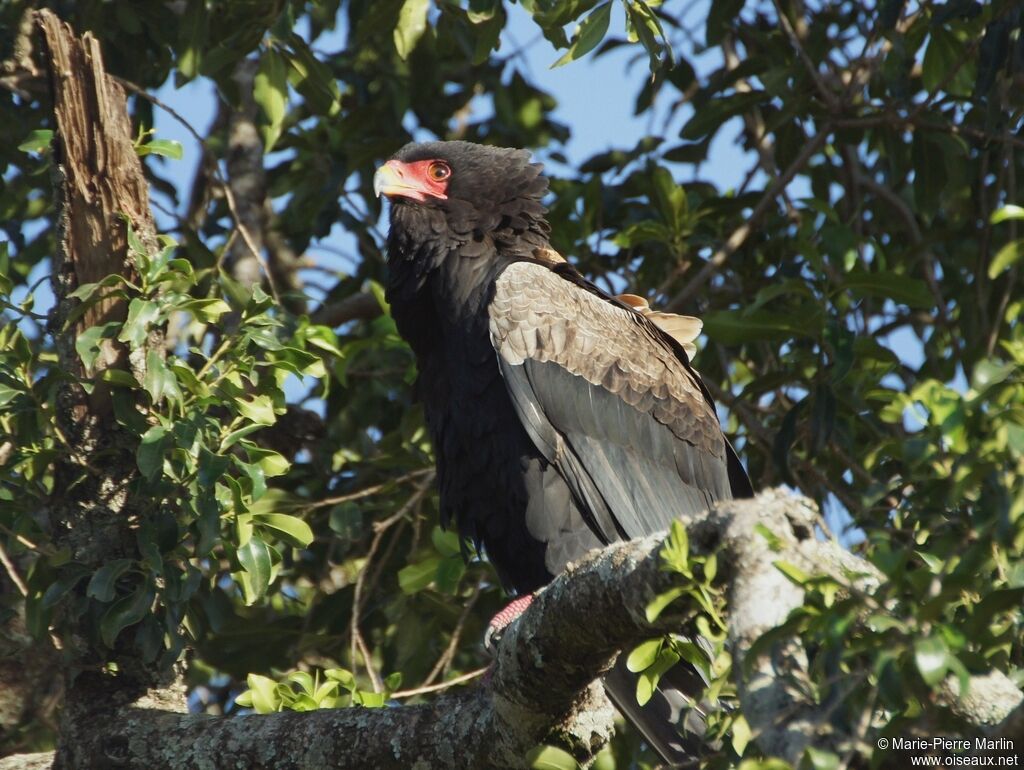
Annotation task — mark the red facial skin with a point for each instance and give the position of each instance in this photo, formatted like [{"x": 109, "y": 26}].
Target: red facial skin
[{"x": 420, "y": 181}]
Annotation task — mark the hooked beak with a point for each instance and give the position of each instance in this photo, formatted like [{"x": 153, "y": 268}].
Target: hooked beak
[{"x": 391, "y": 179}]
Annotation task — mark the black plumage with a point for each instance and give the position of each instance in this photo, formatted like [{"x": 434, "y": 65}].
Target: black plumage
[{"x": 561, "y": 417}]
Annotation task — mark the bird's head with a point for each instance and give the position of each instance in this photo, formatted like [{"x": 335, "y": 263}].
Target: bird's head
[
  {"x": 463, "y": 193},
  {"x": 432, "y": 173}
]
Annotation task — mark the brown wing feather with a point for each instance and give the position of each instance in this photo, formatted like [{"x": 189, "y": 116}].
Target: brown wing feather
[
  {"x": 683, "y": 328},
  {"x": 536, "y": 314}
]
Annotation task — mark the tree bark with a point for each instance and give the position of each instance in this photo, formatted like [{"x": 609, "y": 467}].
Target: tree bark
[{"x": 101, "y": 191}]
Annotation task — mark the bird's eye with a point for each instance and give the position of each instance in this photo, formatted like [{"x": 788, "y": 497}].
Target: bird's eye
[{"x": 438, "y": 171}]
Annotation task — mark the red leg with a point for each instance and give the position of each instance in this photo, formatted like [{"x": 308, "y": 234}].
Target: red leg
[{"x": 503, "y": 620}]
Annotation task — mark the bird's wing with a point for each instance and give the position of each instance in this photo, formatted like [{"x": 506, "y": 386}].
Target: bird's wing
[
  {"x": 684, "y": 329},
  {"x": 608, "y": 401}
]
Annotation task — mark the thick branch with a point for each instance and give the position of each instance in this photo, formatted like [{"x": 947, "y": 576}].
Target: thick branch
[
  {"x": 355, "y": 307},
  {"x": 541, "y": 682},
  {"x": 542, "y": 686}
]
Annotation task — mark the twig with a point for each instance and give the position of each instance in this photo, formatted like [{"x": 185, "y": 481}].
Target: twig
[
  {"x": 368, "y": 491},
  {"x": 357, "y": 641},
  {"x": 446, "y": 657},
  {"x": 826, "y": 95},
  {"x": 754, "y": 123},
  {"x": 361, "y": 306},
  {"x": 910, "y": 220},
  {"x": 12, "y": 571},
  {"x": 461, "y": 679},
  {"x": 742, "y": 232},
  {"x": 229, "y": 196}
]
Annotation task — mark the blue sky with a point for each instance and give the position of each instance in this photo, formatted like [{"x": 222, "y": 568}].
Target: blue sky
[{"x": 595, "y": 97}]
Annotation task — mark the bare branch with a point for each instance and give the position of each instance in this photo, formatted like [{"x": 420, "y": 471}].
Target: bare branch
[
  {"x": 740, "y": 235},
  {"x": 355, "y": 307}
]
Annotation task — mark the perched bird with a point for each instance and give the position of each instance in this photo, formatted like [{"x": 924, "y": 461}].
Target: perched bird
[{"x": 562, "y": 418}]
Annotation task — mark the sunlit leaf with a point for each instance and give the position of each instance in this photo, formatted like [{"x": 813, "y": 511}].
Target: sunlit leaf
[
  {"x": 412, "y": 23},
  {"x": 591, "y": 32}
]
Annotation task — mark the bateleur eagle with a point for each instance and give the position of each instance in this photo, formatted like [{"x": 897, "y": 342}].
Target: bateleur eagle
[{"x": 562, "y": 418}]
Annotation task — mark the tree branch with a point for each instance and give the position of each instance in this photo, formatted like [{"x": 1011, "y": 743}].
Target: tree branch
[
  {"x": 542, "y": 685},
  {"x": 741, "y": 233},
  {"x": 355, "y": 307}
]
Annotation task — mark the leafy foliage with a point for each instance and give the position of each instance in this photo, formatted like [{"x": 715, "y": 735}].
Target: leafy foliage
[{"x": 860, "y": 290}]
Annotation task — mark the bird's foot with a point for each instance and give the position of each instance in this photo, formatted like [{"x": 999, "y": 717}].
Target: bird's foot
[{"x": 501, "y": 621}]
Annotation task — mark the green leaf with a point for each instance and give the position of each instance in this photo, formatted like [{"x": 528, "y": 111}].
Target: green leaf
[
  {"x": 254, "y": 557},
  {"x": 412, "y": 23},
  {"x": 711, "y": 567},
  {"x": 102, "y": 584},
  {"x": 342, "y": 676},
  {"x": 8, "y": 394},
  {"x": 369, "y": 699},
  {"x": 270, "y": 92},
  {"x": 929, "y": 172},
  {"x": 160, "y": 382},
  {"x": 1005, "y": 258},
  {"x": 591, "y": 32},
  {"x": 733, "y": 327},
  {"x": 644, "y": 655},
  {"x": 312, "y": 78},
  {"x": 37, "y": 141},
  {"x": 168, "y": 148},
  {"x": 647, "y": 682},
  {"x": 912, "y": 292},
  {"x": 551, "y": 758},
  {"x": 206, "y": 310},
  {"x": 151, "y": 452},
  {"x": 260, "y": 410},
  {"x": 135, "y": 245},
  {"x": 449, "y": 572},
  {"x": 741, "y": 735},
  {"x": 256, "y": 476},
  {"x": 261, "y": 695},
  {"x": 482, "y": 10},
  {"x": 932, "y": 659},
  {"x": 934, "y": 563},
  {"x": 998, "y": 601},
  {"x": 415, "y": 577},
  {"x": 658, "y": 604},
  {"x": 643, "y": 25},
  {"x": 710, "y": 117},
  {"x": 1009, "y": 211},
  {"x": 126, "y": 612},
  {"x": 291, "y": 529},
  {"x": 141, "y": 313},
  {"x": 445, "y": 541},
  {"x": 73, "y": 575},
  {"x": 270, "y": 462},
  {"x": 821, "y": 759},
  {"x": 675, "y": 553},
  {"x": 6, "y": 285},
  {"x": 791, "y": 571},
  {"x": 721, "y": 16},
  {"x": 89, "y": 343},
  {"x": 947, "y": 64}
]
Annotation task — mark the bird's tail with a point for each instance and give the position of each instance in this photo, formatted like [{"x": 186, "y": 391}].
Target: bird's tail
[{"x": 669, "y": 721}]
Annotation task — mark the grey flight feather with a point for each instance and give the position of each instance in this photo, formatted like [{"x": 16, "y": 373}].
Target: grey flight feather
[{"x": 607, "y": 402}]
